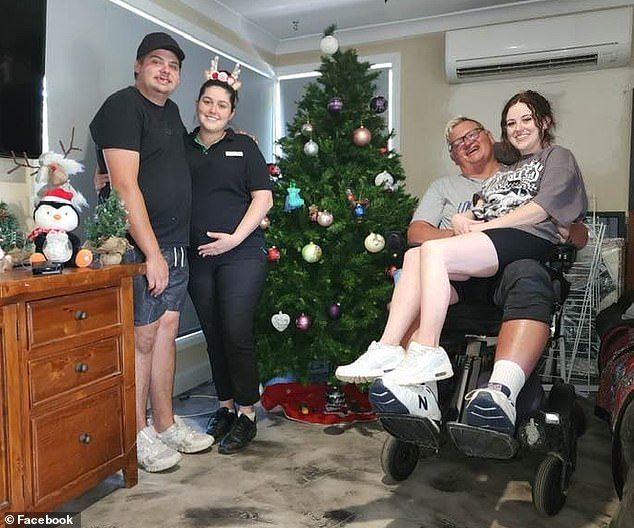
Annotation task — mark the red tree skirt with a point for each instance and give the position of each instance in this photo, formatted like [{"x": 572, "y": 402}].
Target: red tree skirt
[{"x": 306, "y": 403}]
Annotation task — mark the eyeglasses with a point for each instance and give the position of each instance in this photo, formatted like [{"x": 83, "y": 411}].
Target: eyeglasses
[{"x": 472, "y": 135}]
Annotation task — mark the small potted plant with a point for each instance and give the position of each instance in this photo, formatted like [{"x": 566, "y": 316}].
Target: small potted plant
[
  {"x": 106, "y": 230},
  {"x": 14, "y": 246}
]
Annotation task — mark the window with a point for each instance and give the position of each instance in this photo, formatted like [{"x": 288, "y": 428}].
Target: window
[{"x": 292, "y": 81}]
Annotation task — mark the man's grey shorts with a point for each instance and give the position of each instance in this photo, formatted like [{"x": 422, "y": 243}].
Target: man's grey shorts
[{"x": 148, "y": 308}]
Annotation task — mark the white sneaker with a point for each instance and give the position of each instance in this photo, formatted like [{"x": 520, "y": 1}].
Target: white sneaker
[
  {"x": 372, "y": 364},
  {"x": 417, "y": 400},
  {"x": 491, "y": 409},
  {"x": 184, "y": 438},
  {"x": 152, "y": 454},
  {"x": 421, "y": 364}
]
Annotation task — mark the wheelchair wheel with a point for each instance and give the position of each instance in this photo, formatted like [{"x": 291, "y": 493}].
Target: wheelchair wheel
[
  {"x": 398, "y": 458},
  {"x": 549, "y": 487}
]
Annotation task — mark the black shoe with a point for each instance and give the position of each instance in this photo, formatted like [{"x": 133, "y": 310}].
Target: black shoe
[
  {"x": 242, "y": 432},
  {"x": 220, "y": 423}
]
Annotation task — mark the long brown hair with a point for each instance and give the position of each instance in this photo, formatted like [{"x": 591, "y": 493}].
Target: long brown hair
[{"x": 541, "y": 110}]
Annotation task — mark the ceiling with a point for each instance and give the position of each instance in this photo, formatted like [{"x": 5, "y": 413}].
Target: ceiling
[{"x": 285, "y": 26}]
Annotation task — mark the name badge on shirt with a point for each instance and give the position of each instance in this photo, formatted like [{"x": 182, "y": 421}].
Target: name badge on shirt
[{"x": 234, "y": 153}]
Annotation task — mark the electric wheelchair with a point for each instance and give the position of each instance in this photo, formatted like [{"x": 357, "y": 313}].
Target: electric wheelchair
[{"x": 547, "y": 425}]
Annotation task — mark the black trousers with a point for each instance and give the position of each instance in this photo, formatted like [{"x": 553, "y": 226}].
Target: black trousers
[{"x": 225, "y": 291}]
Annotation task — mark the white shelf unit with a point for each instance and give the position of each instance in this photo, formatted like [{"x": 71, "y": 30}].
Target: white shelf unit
[{"x": 573, "y": 354}]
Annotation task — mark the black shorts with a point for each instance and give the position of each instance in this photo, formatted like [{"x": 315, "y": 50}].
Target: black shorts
[
  {"x": 522, "y": 290},
  {"x": 514, "y": 244}
]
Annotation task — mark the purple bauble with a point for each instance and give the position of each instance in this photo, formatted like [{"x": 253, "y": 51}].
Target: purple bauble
[
  {"x": 378, "y": 104},
  {"x": 335, "y": 104},
  {"x": 302, "y": 321},
  {"x": 334, "y": 311}
]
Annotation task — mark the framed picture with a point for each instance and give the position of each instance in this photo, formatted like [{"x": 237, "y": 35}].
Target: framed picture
[{"x": 614, "y": 222}]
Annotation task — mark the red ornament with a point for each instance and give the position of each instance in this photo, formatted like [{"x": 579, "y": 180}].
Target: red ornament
[
  {"x": 273, "y": 254},
  {"x": 383, "y": 150},
  {"x": 274, "y": 169},
  {"x": 390, "y": 271},
  {"x": 362, "y": 136}
]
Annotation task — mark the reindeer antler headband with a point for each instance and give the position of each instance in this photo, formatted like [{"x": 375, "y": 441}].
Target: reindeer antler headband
[{"x": 230, "y": 78}]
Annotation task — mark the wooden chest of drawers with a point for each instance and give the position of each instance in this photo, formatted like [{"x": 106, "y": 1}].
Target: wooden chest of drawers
[{"x": 66, "y": 384}]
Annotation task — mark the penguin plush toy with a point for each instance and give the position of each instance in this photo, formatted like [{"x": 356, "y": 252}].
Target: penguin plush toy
[{"x": 55, "y": 218}]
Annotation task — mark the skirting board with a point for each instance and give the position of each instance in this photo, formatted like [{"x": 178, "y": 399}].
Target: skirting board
[{"x": 192, "y": 362}]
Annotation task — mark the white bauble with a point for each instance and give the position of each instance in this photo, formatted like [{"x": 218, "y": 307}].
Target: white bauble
[
  {"x": 374, "y": 242},
  {"x": 324, "y": 218},
  {"x": 384, "y": 179},
  {"x": 311, "y": 253},
  {"x": 329, "y": 45},
  {"x": 311, "y": 148}
]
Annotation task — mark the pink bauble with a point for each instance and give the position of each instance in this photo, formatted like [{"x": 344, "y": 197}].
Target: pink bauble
[
  {"x": 302, "y": 321},
  {"x": 334, "y": 311},
  {"x": 362, "y": 136}
]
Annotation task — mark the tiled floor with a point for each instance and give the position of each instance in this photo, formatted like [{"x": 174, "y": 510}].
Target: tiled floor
[{"x": 298, "y": 475}]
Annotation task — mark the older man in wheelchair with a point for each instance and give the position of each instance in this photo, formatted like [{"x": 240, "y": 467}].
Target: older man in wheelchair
[{"x": 485, "y": 405}]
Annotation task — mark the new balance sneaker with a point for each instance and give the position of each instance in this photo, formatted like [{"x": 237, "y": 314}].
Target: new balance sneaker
[
  {"x": 376, "y": 361},
  {"x": 220, "y": 423},
  {"x": 421, "y": 364},
  {"x": 417, "y": 400},
  {"x": 242, "y": 432},
  {"x": 491, "y": 409},
  {"x": 152, "y": 454},
  {"x": 184, "y": 438}
]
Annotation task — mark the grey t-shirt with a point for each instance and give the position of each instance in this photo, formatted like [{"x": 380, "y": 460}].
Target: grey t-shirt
[
  {"x": 446, "y": 197},
  {"x": 551, "y": 178}
]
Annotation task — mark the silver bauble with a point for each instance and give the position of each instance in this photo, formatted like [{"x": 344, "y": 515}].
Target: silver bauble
[{"x": 311, "y": 148}]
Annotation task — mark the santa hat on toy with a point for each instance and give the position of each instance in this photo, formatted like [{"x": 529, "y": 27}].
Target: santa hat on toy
[{"x": 59, "y": 196}]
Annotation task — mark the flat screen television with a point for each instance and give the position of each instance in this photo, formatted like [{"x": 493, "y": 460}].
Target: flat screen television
[{"x": 22, "y": 45}]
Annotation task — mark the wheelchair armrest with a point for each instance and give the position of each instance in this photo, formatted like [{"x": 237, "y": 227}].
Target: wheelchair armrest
[{"x": 562, "y": 258}]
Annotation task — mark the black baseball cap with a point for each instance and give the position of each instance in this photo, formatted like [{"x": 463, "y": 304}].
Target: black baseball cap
[{"x": 159, "y": 40}]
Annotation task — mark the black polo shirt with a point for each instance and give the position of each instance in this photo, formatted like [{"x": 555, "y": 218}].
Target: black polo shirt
[
  {"x": 127, "y": 120},
  {"x": 223, "y": 177}
]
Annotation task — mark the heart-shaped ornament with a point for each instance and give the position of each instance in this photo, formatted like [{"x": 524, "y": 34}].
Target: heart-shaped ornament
[{"x": 280, "y": 321}]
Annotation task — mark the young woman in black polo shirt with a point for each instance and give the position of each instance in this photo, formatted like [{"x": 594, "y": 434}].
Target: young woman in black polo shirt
[{"x": 231, "y": 192}]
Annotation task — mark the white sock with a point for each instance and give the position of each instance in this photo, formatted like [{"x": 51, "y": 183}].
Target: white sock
[
  {"x": 249, "y": 415},
  {"x": 509, "y": 374}
]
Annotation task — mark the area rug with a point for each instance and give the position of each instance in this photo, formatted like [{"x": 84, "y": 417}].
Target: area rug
[{"x": 307, "y": 403}]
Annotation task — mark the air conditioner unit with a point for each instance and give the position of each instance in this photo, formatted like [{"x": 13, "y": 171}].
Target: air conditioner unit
[{"x": 583, "y": 41}]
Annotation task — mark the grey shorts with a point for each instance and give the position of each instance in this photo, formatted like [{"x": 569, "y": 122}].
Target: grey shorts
[{"x": 148, "y": 308}]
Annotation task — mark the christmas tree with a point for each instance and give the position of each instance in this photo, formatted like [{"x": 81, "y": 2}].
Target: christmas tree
[
  {"x": 107, "y": 228},
  {"x": 336, "y": 232},
  {"x": 11, "y": 236},
  {"x": 108, "y": 220}
]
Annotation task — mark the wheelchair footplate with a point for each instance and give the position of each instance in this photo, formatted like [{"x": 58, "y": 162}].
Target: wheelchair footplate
[
  {"x": 413, "y": 429},
  {"x": 482, "y": 443}
]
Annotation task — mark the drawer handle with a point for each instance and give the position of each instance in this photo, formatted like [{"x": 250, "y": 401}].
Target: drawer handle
[
  {"x": 85, "y": 438},
  {"x": 80, "y": 315},
  {"x": 81, "y": 367}
]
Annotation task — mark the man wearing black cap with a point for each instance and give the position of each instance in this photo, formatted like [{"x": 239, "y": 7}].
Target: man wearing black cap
[{"x": 139, "y": 135}]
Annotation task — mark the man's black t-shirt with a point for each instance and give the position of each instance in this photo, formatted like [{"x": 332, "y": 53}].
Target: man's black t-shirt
[
  {"x": 223, "y": 177},
  {"x": 129, "y": 121}
]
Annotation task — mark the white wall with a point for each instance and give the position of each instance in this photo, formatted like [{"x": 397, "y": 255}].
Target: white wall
[{"x": 593, "y": 113}]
